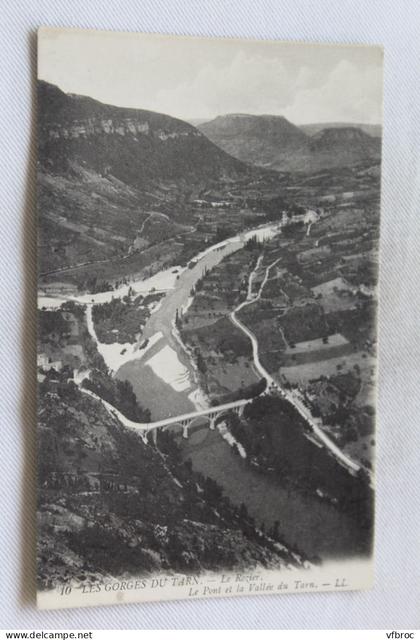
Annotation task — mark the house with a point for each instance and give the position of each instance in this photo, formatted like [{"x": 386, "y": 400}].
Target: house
[
  {"x": 45, "y": 363},
  {"x": 42, "y": 360}
]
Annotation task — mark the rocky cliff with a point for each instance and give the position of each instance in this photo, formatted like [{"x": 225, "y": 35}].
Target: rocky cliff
[
  {"x": 134, "y": 145},
  {"x": 110, "y": 505}
]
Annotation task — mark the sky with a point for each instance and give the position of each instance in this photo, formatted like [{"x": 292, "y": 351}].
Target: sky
[{"x": 201, "y": 78}]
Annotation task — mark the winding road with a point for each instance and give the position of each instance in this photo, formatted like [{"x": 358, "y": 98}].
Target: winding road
[
  {"x": 162, "y": 322},
  {"x": 250, "y": 300},
  {"x": 290, "y": 396}
]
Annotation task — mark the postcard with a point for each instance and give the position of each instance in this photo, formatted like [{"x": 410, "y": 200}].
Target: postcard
[{"x": 208, "y": 215}]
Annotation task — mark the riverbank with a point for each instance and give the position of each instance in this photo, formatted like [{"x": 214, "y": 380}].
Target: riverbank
[
  {"x": 160, "y": 324},
  {"x": 159, "y": 283},
  {"x": 115, "y": 354},
  {"x": 311, "y": 524},
  {"x": 150, "y": 385}
]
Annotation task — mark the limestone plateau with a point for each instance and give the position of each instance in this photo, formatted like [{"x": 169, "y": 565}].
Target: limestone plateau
[{"x": 274, "y": 142}]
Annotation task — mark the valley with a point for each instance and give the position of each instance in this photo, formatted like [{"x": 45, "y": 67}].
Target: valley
[
  {"x": 175, "y": 278},
  {"x": 275, "y": 143}
]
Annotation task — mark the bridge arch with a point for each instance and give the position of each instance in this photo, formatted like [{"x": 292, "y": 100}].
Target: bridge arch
[
  {"x": 224, "y": 413},
  {"x": 199, "y": 419},
  {"x": 178, "y": 424}
]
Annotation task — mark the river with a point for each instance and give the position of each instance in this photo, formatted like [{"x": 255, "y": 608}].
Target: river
[
  {"x": 164, "y": 380},
  {"x": 312, "y": 525},
  {"x": 167, "y": 385}
]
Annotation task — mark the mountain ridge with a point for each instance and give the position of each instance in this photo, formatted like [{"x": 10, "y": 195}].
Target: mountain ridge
[
  {"x": 103, "y": 169},
  {"x": 274, "y": 142},
  {"x": 135, "y": 145},
  {"x": 374, "y": 130}
]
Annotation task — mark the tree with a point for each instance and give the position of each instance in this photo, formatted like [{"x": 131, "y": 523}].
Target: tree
[
  {"x": 243, "y": 512},
  {"x": 275, "y": 529},
  {"x": 316, "y": 412},
  {"x": 202, "y": 367}
]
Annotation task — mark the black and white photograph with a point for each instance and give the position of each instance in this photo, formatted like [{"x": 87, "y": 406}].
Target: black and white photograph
[{"x": 208, "y": 257}]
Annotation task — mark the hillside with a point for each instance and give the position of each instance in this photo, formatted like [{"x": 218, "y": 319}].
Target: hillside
[
  {"x": 259, "y": 140},
  {"x": 110, "y": 505},
  {"x": 133, "y": 145},
  {"x": 103, "y": 170},
  {"x": 374, "y": 130},
  {"x": 276, "y": 143},
  {"x": 347, "y": 144}
]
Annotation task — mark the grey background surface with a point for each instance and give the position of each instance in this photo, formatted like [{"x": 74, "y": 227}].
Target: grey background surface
[{"x": 394, "y": 601}]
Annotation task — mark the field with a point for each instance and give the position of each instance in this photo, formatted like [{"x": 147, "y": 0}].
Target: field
[
  {"x": 224, "y": 352},
  {"x": 335, "y": 294},
  {"x": 315, "y": 318},
  {"x": 303, "y": 373},
  {"x": 319, "y": 344},
  {"x": 226, "y": 376}
]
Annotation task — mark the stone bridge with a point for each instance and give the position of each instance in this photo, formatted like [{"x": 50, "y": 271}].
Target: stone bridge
[{"x": 187, "y": 420}]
